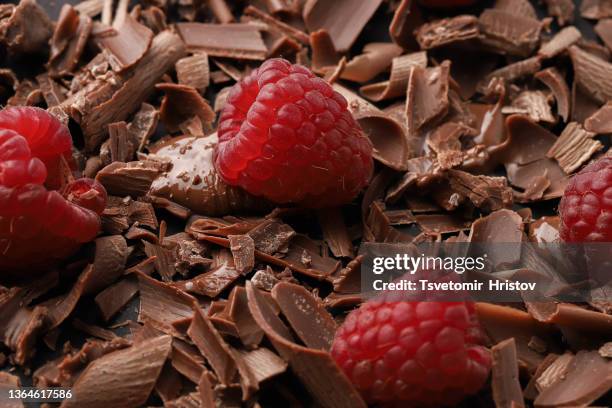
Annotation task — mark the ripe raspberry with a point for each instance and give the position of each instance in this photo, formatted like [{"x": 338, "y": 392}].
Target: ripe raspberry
[
  {"x": 38, "y": 225},
  {"x": 413, "y": 353},
  {"x": 285, "y": 134},
  {"x": 586, "y": 205}
]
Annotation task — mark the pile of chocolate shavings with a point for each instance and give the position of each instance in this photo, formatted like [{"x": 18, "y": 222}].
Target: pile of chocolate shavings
[{"x": 198, "y": 294}]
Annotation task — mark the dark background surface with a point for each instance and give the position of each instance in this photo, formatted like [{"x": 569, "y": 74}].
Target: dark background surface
[{"x": 86, "y": 310}]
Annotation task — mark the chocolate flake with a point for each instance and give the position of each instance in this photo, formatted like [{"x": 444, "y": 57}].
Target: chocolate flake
[
  {"x": 133, "y": 178},
  {"x": 560, "y": 42},
  {"x": 128, "y": 46},
  {"x": 447, "y": 31},
  {"x": 553, "y": 79},
  {"x": 186, "y": 359},
  {"x": 194, "y": 71},
  {"x": 272, "y": 236},
  {"x": 211, "y": 283},
  {"x": 509, "y": 33},
  {"x": 27, "y": 29},
  {"x": 400, "y": 73},
  {"x": 563, "y": 10},
  {"x": 573, "y": 147},
  {"x": 262, "y": 363},
  {"x": 212, "y": 39},
  {"x": 427, "y": 95},
  {"x": 10, "y": 382},
  {"x": 592, "y": 74},
  {"x": 507, "y": 391},
  {"x": 488, "y": 193},
  {"x": 243, "y": 251},
  {"x": 600, "y": 121},
  {"x": 115, "y": 297}
]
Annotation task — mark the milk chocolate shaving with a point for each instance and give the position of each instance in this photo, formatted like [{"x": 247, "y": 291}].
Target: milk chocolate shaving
[
  {"x": 534, "y": 104},
  {"x": 10, "y": 382},
  {"x": 133, "y": 178},
  {"x": 376, "y": 57},
  {"x": 447, "y": 31},
  {"x": 592, "y": 74},
  {"x": 277, "y": 25},
  {"x": 589, "y": 376},
  {"x": 212, "y": 39},
  {"x": 596, "y": 9},
  {"x": 488, "y": 193},
  {"x": 165, "y": 260},
  {"x": 507, "y": 391},
  {"x": 509, "y": 33},
  {"x": 335, "y": 232},
  {"x": 262, "y": 363},
  {"x": 186, "y": 359},
  {"x": 315, "y": 368},
  {"x": 123, "y": 378},
  {"x": 109, "y": 263},
  {"x": 553, "y": 79},
  {"x": 406, "y": 19},
  {"x": 243, "y": 251},
  {"x": 221, "y": 10},
  {"x": 306, "y": 315},
  {"x": 600, "y": 121},
  {"x": 574, "y": 147},
  {"x": 161, "y": 305},
  {"x": 20, "y": 325},
  {"x": 193, "y": 71},
  {"x": 606, "y": 350},
  {"x": 115, "y": 297},
  {"x": 129, "y": 45},
  {"x": 248, "y": 330},
  {"x": 169, "y": 383},
  {"x": 521, "y": 8},
  {"x": 398, "y": 81},
  {"x": 26, "y": 29},
  {"x": 505, "y": 226},
  {"x": 427, "y": 95},
  {"x": 563, "y": 10},
  {"x": 330, "y": 16},
  {"x": 583, "y": 105},
  {"x": 90, "y": 8},
  {"x": 53, "y": 92},
  {"x": 212, "y": 346},
  {"x": 511, "y": 72},
  {"x": 193, "y": 181},
  {"x": 121, "y": 148},
  {"x": 571, "y": 316},
  {"x": 324, "y": 53},
  {"x": 116, "y": 98},
  {"x": 272, "y": 236},
  {"x": 69, "y": 39},
  {"x": 560, "y": 42},
  {"x": 211, "y": 283}
]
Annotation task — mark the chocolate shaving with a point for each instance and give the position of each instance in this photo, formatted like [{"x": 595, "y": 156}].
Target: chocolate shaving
[
  {"x": 521, "y": 8},
  {"x": 120, "y": 147},
  {"x": 165, "y": 260},
  {"x": 123, "y": 378},
  {"x": 211, "y": 283},
  {"x": 376, "y": 57},
  {"x": 588, "y": 377},
  {"x": 324, "y": 54},
  {"x": 603, "y": 28},
  {"x": 243, "y": 251},
  {"x": 10, "y": 382},
  {"x": 53, "y": 92},
  {"x": 169, "y": 383},
  {"x": 406, "y": 19},
  {"x": 248, "y": 330},
  {"x": 507, "y": 392},
  {"x": 277, "y": 25},
  {"x": 335, "y": 232},
  {"x": 129, "y": 45},
  {"x": 553, "y": 79},
  {"x": 600, "y": 121},
  {"x": 182, "y": 103},
  {"x": 186, "y": 359},
  {"x": 26, "y": 29},
  {"x": 563, "y": 10},
  {"x": 533, "y": 104},
  {"x": 331, "y": 16},
  {"x": 596, "y": 9},
  {"x": 212, "y": 346},
  {"x": 560, "y": 42},
  {"x": 401, "y": 67},
  {"x": 262, "y": 363},
  {"x": 488, "y": 193},
  {"x": 511, "y": 72},
  {"x": 315, "y": 368},
  {"x": 571, "y": 316},
  {"x": 112, "y": 299},
  {"x": 194, "y": 72},
  {"x": 161, "y": 305},
  {"x": 133, "y": 178},
  {"x": 573, "y": 147},
  {"x": 447, "y": 31},
  {"x": 592, "y": 74},
  {"x": 427, "y": 95},
  {"x": 212, "y": 39},
  {"x": 272, "y": 236},
  {"x": 509, "y": 33}
]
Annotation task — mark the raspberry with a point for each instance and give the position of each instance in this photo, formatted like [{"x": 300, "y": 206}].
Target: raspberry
[
  {"x": 413, "y": 353},
  {"x": 38, "y": 225},
  {"x": 285, "y": 134},
  {"x": 586, "y": 205}
]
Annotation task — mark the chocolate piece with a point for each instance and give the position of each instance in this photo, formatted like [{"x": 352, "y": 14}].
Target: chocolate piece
[
  {"x": 488, "y": 193},
  {"x": 324, "y": 53},
  {"x": 596, "y": 9},
  {"x": 165, "y": 260},
  {"x": 133, "y": 178},
  {"x": 427, "y": 95},
  {"x": 533, "y": 104},
  {"x": 193, "y": 181},
  {"x": 211, "y": 283},
  {"x": 121, "y": 149},
  {"x": 186, "y": 359},
  {"x": 560, "y": 42},
  {"x": 212, "y": 39},
  {"x": 521, "y": 8},
  {"x": 447, "y": 31},
  {"x": 161, "y": 305},
  {"x": 109, "y": 263},
  {"x": 600, "y": 121},
  {"x": 115, "y": 297},
  {"x": 335, "y": 232},
  {"x": 406, "y": 19},
  {"x": 504, "y": 226},
  {"x": 556, "y": 83},
  {"x": 306, "y": 315},
  {"x": 128, "y": 46},
  {"x": 507, "y": 391},
  {"x": 606, "y": 350},
  {"x": 573, "y": 147},
  {"x": 315, "y": 368},
  {"x": 10, "y": 382},
  {"x": 182, "y": 103},
  {"x": 277, "y": 25},
  {"x": 592, "y": 74},
  {"x": 53, "y": 92},
  {"x": 272, "y": 236},
  {"x": 193, "y": 71},
  {"x": 26, "y": 28},
  {"x": 583, "y": 105},
  {"x": 212, "y": 346},
  {"x": 125, "y": 377},
  {"x": 603, "y": 28},
  {"x": 571, "y": 316},
  {"x": 588, "y": 378},
  {"x": 248, "y": 330},
  {"x": 398, "y": 80},
  {"x": 331, "y": 16},
  {"x": 69, "y": 40},
  {"x": 563, "y": 10},
  {"x": 262, "y": 363},
  {"x": 376, "y": 57},
  {"x": 243, "y": 251},
  {"x": 509, "y": 33},
  {"x": 119, "y": 96},
  {"x": 511, "y": 72},
  {"x": 169, "y": 383}
]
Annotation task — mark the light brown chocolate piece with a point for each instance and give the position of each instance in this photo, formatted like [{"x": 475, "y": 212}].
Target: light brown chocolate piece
[
  {"x": 133, "y": 178},
  {"x": 376, "y": 57},
  {"x": 511, "y": 72},
  {"x": 69, "y": 39},
  {"x": 509, "y": 33},
  {"x": 192, "y": 180},
  {"x": 560, "y": 42},
  {"x": 243, "y": 251},
  {"x": 573, "y": 147},
  {"x": 331, "y": 16},
  {"x": 563, "y": 10},
  {"x": 600, "y": 121},
  {"x": 507, "y": 392},
  {"x": 603, "y": 28},
  {"x": 26, "y": 28},
  {"x": 488, "y": 193},
  {"x": 427, "y": 96},
  {"x": 277, "y": 25},
  {"x": 534, "y": 104},
  {"x": 128, "y": 46},
  {"x": 596, "y": 9},
  {"x": 571, "y": 316},
  {"x": 553, "y": 79},
  {"x": 115, "y": 297},
  {"x": 181, "y": 105},
  {"x": 447, "y": 31},
  {"x": 212, "y": 39},
  {"x": 398, "y": 80},
  {"x": 335, "y": 232},
  {"x": 194, "y": 71},
  {"x": 592, "y": 74}
]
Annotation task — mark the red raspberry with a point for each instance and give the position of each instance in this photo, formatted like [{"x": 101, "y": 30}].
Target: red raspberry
[
  {"x": 285, "y": 134},
  {"x": 413, "y": 353},
  {"x": 39, "y": 226},
  {"x": 586, "y": 205}
]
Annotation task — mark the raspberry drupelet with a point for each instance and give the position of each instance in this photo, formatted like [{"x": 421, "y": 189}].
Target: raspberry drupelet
[
  {"x": 39, "y": 224},
  {"x": 400, "y": 353},
  {"x": 286, "y": 135},
  {"x": 586, "y": 205}
]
